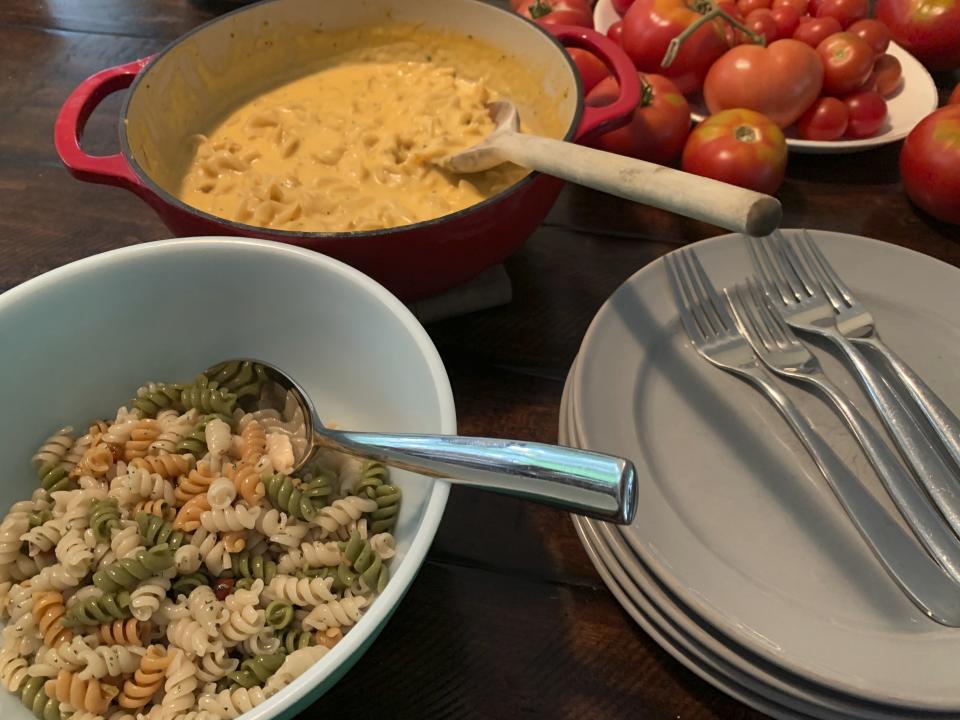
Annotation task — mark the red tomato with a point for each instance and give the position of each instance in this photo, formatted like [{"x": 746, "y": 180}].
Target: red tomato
[
  {"x": 927, "y": 29},
  {"x": 615, "y": 32},
  {"x": 869, "y": 85},
  {"x": 787, "y": 20},
  {"x": 868, "y": 110},
  {"x": 846, "y": 12},
  {"x": 762, "y": 23},
  {"x": 558, "y": 12},
  {"x": 955, "y": 96},
  {"x": 781, "y": 80},
  {"x": 888, "y": 72},
  {"x": 826, "y": 119},
  {"x": 621, "y": 6},
  {"x": 816, "y": 31},
  {"x": 650, "y": 25},
  {"x": 739, "y": 146},
  {"x": 733, "y": 35},
  {"x": 874, "y": 32},
  {"x": 930, "y": 164},
  {"x": 812, "y": 7},
  {"x": 748, "y": 6},
  {"x": 658, "y": 127},
  {"x": 799, "y": 5},
  {"x": 847, "y": 61},
  {"x": 590, "y": 67}
]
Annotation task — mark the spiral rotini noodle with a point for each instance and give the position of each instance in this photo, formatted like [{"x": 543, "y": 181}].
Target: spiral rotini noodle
[
  {"x": 90, "y": 695},
  {"x": 167, "y": 466},
  {"x": 99, "y": 610},
  {"x": 336, "y": 613},
  {"x": 126, "y": 573},
  {"x": 154, "y": 530},
  {"x": 48, "y": 612},
  {"x": 125, "y": 632},
  {"x": 146, "y": 680}
]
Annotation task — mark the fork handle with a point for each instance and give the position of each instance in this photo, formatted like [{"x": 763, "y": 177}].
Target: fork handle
[
  {"x": 910, "y": 499},
  {"x": 930, "y": 469},
  {"x": 920, "y": 578},
  {"x": 941, "y": 418}
]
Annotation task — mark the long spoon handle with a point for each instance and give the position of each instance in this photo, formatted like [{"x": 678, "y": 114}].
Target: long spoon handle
[
  {"x": 578, "y": 481},
  {"x": 712, "y": 201}
]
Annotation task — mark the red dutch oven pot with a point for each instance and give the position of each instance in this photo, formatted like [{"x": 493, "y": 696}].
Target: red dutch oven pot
[{"x": 167, "y": 91}]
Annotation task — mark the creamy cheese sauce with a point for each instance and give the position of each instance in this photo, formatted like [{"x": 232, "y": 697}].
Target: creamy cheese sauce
[{"x": 352, "y": 146}]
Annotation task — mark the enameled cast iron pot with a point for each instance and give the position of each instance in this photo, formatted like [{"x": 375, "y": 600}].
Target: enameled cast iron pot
[{"x": 170, "y": 95}]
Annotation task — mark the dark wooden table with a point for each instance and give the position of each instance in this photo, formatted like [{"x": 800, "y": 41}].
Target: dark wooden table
[{"x": 507, "y": 617}]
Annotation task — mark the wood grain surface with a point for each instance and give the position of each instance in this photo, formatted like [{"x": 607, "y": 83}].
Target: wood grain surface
[{"x": 507, "y": 617}]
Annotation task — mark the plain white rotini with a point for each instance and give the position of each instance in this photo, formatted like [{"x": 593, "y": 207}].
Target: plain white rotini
[
  {"x": 206, "y": 610},
  {"x": 294, "y": 665},
  {"x": 245, "y": 619},
  {"x": 341, "y": 512},
  {"x": 215, "y": 555},
  {"x": 315, "y": 554},
  {"x": 215, "y": 664},
  {"x": 229, "y": 704},
  {"x": 239, "y": 517},
  {"x": 384, "y": 544},
  {"x": 145, "y": 598},
  {"x": 280, "y": 452},
  {"x": 110, "y": 661},
  {"x": 189, "y": 636},
  {"x": 180, "y": 686},
  {"x": 187, "y": 559},
  {"x": 218, "y": 437},
  {"x": 336, "y": 613},
  {"x": 300, "y": 591},
  {"x": 220, "y": 495}
]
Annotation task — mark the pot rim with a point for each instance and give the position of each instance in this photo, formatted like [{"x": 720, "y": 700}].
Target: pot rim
[{"x": 244, "y": 229}]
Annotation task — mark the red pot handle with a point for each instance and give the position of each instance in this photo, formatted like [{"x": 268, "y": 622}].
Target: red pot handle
[
  {"x": 106, "y": 169},
  {"x": 598, "y": 120}
]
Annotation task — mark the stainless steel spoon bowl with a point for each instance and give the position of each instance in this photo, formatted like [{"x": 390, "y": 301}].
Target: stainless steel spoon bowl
[{"x": 582, "y": 482}]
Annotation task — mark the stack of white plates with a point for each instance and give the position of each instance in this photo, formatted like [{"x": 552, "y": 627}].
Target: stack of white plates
[{"x": 740, "y": 562}]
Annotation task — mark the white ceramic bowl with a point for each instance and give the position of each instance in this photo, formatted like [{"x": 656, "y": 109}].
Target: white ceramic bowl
[{"x": 76, "y": 342}]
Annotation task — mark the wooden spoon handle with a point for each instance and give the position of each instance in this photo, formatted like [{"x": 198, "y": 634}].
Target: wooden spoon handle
[{"x": 712, "y": 201}]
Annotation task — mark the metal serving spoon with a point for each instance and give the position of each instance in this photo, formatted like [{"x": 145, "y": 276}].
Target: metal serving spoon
[
  {"x": 712, "y": 201},
  {"x": 578, "y": 481}
]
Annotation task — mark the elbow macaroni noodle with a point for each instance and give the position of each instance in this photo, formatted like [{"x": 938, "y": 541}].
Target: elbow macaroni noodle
[{"x": 354, "y": 146}]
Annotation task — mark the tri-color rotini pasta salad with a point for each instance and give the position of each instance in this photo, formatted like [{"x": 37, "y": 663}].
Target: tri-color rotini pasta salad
[{"x": 170, "y": 565}]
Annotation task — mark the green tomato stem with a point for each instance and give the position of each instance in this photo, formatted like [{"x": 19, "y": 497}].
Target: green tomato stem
[
  {"x": 539, "y": 9},
  {"x": 673, "y": 49}
]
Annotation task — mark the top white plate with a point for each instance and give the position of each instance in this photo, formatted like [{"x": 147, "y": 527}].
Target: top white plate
[
  {"x": 733, "y": 516},
  {"x": 916, "y": 98}
]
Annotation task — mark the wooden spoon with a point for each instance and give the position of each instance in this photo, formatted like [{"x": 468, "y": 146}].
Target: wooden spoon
[{"x": 712, "y": 201}]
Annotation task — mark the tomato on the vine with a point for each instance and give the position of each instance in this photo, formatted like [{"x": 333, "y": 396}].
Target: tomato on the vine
[
  {"x": 888, "y": 72},
  {"x": 930, "y": 164},
  {"x": 658, "y": 128},
  {"x": 762, "y": 23},
  {"x": 590, "y": 68},
  {"x": 928, "y": 29},
  {"x": 781, "y": 80},
  {"x": 800, "y": 6},
  {"x": 874, "y": 32},
  {"x": 748, "y": 6},
  {"x": 787, "y": 20},
  {"x": 847, "y": 61},
  {"x": 650, "y": 25},
  {"x": 816, "y": 31},
  {"x": 826, "y": 119},
  {"x": 867, "y": 110},
  {"x": 739, "y": 146},
  {"x": 558, "y": 12},
  {"x": 846, "y": 12}
]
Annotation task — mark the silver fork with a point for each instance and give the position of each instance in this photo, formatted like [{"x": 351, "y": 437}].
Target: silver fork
[
  {"x": 856, "y": 323},
  {"x": 715, "y": 336},
  {"x": 802, "y": 303}
]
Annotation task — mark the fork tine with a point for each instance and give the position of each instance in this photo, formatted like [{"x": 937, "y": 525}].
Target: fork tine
[
  {"x": 698, "y": 302},
  {"x": 826, "y": 267},
  {"x": 768, "y": 270},
  {"x": 682, "y": 300},
  {"x": 771, "y": 315},
  {"x": 797, "y": 275},
  {"x": 719, "y": 306},
  {"x": 822, "y": 280},
  {"x": 748, "y": 323},
  {"x": 761, "y": 302}
]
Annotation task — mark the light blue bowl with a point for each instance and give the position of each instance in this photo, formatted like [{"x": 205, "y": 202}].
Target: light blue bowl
[{"x": 76, "y": 343}]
